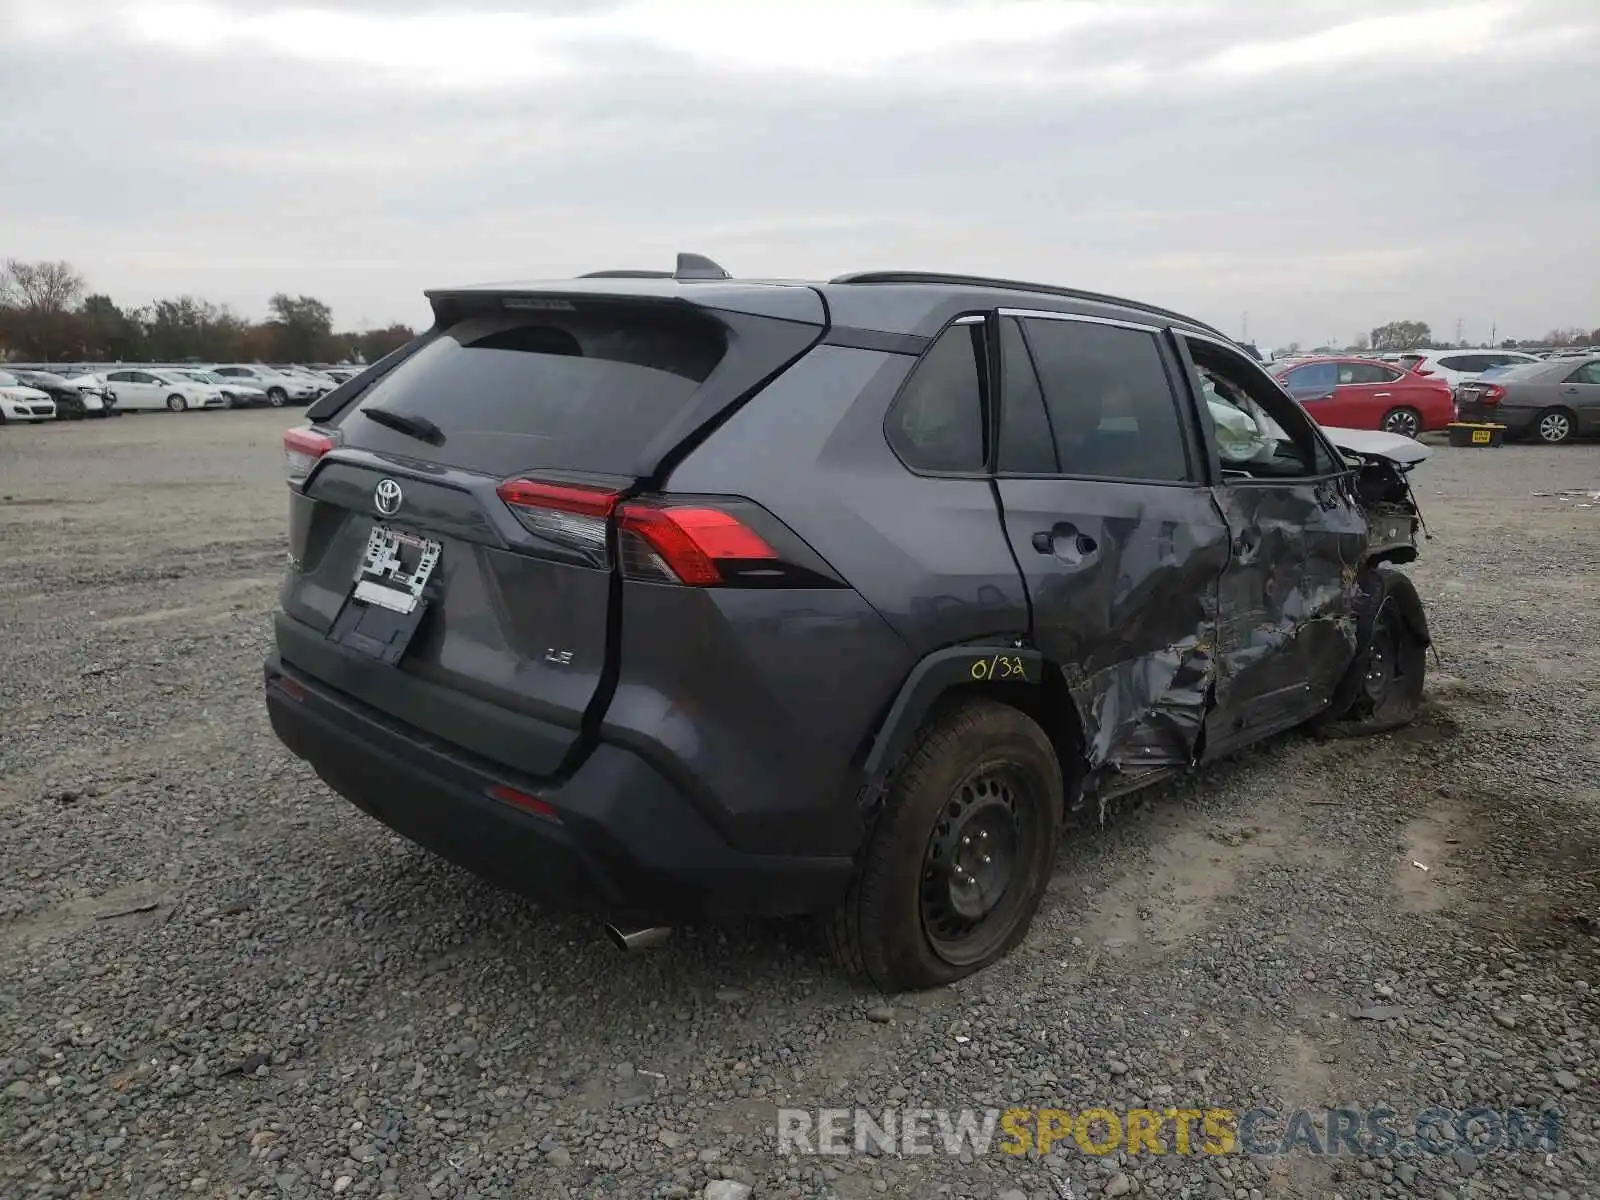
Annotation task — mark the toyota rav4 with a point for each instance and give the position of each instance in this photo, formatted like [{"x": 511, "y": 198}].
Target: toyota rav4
[{"x": 671, "y": 596}]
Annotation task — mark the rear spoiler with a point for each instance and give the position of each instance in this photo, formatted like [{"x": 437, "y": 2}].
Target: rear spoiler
[{"x": 767, "y": 328}]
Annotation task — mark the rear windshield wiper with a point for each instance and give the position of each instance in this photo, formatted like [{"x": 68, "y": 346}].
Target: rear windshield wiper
[{"x": 409, "y": 424}]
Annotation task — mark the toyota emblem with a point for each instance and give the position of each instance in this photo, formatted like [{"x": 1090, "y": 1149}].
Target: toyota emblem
[{"x": 387, "y": 496}]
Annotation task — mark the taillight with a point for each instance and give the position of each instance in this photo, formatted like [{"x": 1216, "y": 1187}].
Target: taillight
[
  {"x": 688, "y": 541},
  {"x": 571, "y": 515},
  {"x": 1492, "y": 394},
  {"x": 301, "y": 449},
  {"x": 702, "y": 547}
]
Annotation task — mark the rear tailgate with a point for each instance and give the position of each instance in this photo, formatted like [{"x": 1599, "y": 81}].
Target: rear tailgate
[{"x": 480, "y": 448}]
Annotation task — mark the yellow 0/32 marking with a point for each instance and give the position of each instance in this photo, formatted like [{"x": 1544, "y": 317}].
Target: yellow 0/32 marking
[{"x": 1000, "y": 666}]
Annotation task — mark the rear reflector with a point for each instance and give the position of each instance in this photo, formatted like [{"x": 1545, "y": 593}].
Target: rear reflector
[
  {"x": 691, "y": 542},
  {"x": 527, "y": 803},
  {"x": 302, "y": 448}
]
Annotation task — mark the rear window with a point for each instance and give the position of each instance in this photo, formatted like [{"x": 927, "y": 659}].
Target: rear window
[{"x": 577, "y": 391}]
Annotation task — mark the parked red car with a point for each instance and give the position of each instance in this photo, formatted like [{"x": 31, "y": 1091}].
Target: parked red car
[{"x": 1360, "y": 393}]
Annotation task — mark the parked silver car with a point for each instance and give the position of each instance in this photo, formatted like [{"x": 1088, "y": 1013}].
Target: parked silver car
[
  {"x": 1555, "y": 400},
  {"x": 280, "y": 387}
]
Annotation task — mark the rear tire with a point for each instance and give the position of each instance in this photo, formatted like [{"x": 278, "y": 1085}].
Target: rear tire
[
  {"x": 277, "y": 397},
  {"x": 960, "y": 855},
  {"x": 1382, "y": 689},
  {"x": 176, "y": 403},
  {"x": 1407, "y": 422},
  {"x": 1554, "y": 426}
]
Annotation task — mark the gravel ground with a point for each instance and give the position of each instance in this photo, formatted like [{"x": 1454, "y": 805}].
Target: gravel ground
[{"x": 216, "y": 977}]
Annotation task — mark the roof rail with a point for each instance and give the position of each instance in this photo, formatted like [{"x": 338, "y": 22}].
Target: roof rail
[
  {"x": 1017, "y": 285},
  {"x": 625, "y": 273}
]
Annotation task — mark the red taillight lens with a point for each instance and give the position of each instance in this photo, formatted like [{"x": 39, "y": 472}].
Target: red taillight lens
[
  {"x": 1492, "y": 394},
  {"x": 683, "y": 544},
  {"x": 301, "y": 449},
  {"x": 572, "y": 515}
]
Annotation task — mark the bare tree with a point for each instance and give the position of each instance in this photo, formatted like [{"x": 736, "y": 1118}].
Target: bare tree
[{"x": 40, "y": 287}]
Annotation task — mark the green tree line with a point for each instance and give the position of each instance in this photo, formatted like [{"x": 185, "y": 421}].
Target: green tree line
[{"x": 47, "y": 313}]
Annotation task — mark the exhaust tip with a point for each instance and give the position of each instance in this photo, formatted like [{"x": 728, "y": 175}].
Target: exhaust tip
[{"x": 637, "y": 938}]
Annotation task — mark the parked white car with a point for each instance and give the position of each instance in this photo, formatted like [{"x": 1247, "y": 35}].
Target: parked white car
[
  {"x": 323, "y": 383},
  {"x": 1457, "y": 366},
  {"x": 239, "y": 394},
  {"x": 20, "y": 403},
  {"x": 280, "y": 388},
  {"x": 149, "y": 390}
]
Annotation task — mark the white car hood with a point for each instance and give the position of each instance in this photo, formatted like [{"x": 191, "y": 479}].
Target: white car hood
[
  {"x": 28, "y": 394},
  {"x": 1371, "y": 443}
]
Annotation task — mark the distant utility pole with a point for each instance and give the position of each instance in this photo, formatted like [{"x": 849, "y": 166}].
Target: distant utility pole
[
  {"x": 1494, "y": 333},
  {"x": 1244, "y": 321},
  {"x": 1458, "y": 331}
]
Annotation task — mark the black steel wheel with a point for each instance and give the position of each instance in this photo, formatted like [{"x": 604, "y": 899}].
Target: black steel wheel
[
  {"x": 975, "y": 859},
  {"x": 960, "y": 855}
]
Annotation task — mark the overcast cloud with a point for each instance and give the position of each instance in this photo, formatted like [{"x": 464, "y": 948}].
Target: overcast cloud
[{"x": 1325, "y": 165}]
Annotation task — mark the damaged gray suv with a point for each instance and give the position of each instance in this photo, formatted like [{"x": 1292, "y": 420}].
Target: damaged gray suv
[{"x": 670, "y": 596}]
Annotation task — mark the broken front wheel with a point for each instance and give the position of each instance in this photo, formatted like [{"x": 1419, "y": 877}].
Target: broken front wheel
[{"x": 1382, "y": 689}]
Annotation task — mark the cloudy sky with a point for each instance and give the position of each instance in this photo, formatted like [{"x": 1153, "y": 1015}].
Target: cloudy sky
[{"x": 1322, "y": 165}]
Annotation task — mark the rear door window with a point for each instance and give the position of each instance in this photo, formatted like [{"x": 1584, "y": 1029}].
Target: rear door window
[
  {"x": 584, "y": 391},
  {"x": 1110, "y": 402},
  {"x": 1465, "y": 362}
]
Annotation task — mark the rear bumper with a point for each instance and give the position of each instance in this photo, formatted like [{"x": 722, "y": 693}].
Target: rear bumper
[
  {"x": 623, "y": 840},
  {"x": 1514, "y": 419}
]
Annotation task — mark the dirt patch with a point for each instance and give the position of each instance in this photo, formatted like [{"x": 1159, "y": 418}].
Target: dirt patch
[{"x": 1193, "y": 864}]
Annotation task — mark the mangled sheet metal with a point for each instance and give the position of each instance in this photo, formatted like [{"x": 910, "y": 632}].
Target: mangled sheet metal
[{"x": 1261, "y": 647}]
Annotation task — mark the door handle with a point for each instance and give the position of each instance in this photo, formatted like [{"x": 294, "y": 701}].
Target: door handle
[
  {"x": 1065, "y": 542},
  {"x": 1380, "y": 395},
  {"x": 1571, "y": 391}
]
